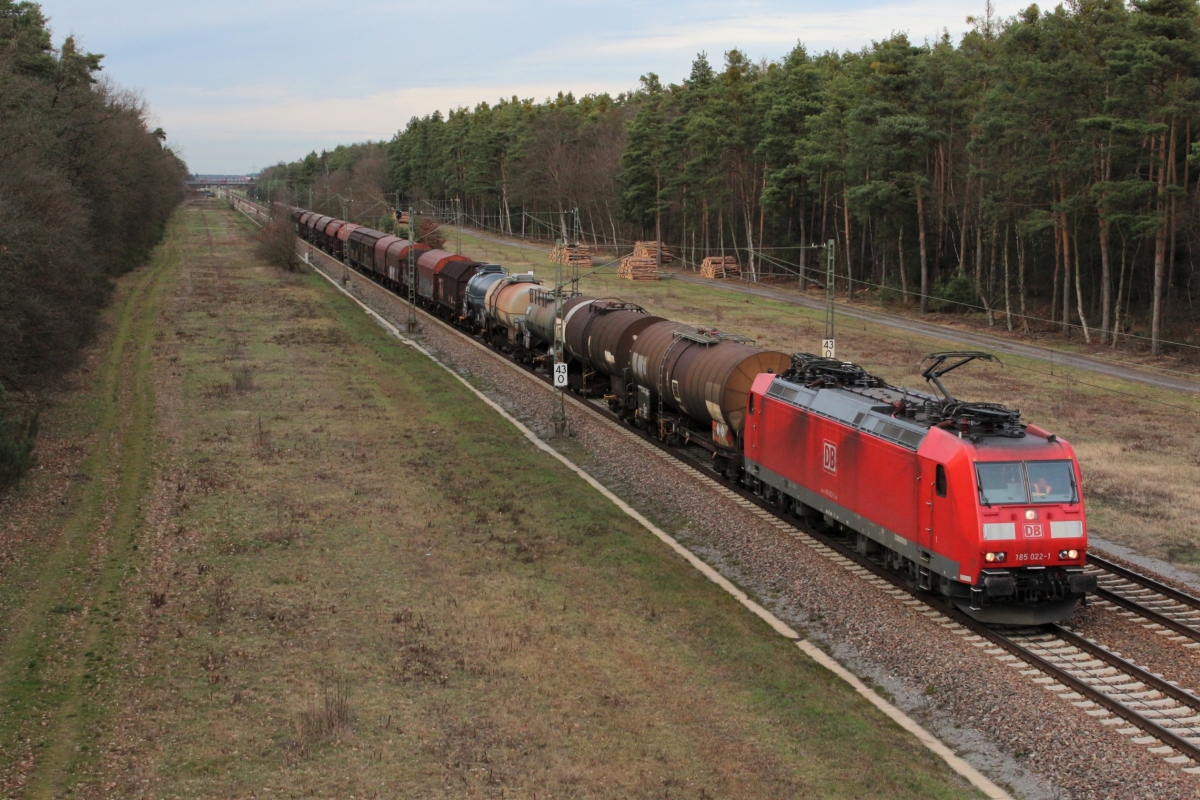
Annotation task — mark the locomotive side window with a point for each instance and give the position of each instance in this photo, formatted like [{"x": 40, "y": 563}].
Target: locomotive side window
[
  {"x": 940, "y": 481},
  {"x": 1051, "y": 481},
  {"x": 750, "y": 405},
  {"x": 1001, "y": 482}
]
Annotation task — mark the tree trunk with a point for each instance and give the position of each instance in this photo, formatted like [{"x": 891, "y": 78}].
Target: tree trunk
[
  {"x": 1021, "y": 282},
  {"x": 803, "y": 249},
  {"x": 1057, "y": 272},
  {"x": 903, "y": 273},
  {"x": 1116, "y": 326},
  {"x": 750, "y": 265},
  {"x": 507, "y": 227},
  {"x": 849, "y": 270},
  {"x": 1160, "y": 249},
  {"x": 721, "y": 230},
  {"x": 1066, "y": 248},
  {"x": 657, "y": 222},
  {"x": 1087, "y": 337},
  {"x": 1007, "y": 285},
  {"x": 924, "y": 252},
  {"x": 962, "y": 248},
  {"x": 1105, "y": 278},
  {"x": 1173, "y": 179}
]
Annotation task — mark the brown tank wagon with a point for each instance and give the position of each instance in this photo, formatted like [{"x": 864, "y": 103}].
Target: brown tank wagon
[
  {"x": 615, "y": 328},
  {"x": 539, "y": 317},
  {"x": 703, "y": 374}
]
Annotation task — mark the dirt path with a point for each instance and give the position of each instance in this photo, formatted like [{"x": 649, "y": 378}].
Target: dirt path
[{"x": 60, "y": 640}]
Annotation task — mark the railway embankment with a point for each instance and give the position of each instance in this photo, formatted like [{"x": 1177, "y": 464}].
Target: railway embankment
[{"x": 272, "y": 551}]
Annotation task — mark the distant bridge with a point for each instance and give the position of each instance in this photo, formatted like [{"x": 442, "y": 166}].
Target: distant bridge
[{"x": 204, "y": 183}]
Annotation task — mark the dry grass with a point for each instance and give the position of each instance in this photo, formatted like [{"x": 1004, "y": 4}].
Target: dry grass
[
  {"x": 506, "y": 632},
  {"x": 1140, "y": 457}
]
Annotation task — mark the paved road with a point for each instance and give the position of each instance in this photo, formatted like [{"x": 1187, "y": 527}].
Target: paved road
[{"x": 983, "y": 341}]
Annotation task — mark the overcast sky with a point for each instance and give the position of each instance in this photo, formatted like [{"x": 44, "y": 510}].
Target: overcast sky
[{"x": 242, "y": 85}]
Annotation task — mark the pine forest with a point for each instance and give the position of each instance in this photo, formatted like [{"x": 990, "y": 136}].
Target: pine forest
[{"x": 1043, "y": 171}]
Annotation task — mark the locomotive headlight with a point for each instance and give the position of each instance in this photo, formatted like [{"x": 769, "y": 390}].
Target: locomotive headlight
[
  {"x": 1068, "y": 555},
  {"x": 1001, "y": 556},
  {"x": 1072, "y": 554},
  {"x": 989, "y": 557},
  {"x": 1030, "y": 513}
]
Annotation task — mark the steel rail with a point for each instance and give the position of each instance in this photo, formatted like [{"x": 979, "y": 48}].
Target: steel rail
[
  {"x": 1052, "y": 670},
  {"x": 1148, "y": 582},
  {"x": 1148, "y": 613}
]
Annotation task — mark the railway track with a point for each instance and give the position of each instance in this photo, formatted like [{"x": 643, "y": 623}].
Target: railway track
[
  {"x": 1159, "y": 714},
  {"x": 1167, "y": 611}
]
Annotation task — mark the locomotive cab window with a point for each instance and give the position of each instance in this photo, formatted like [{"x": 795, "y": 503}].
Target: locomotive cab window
[
  {"x": 1001, "y": 482},
  {"x": 1019, "y": 482},
  {"x": 940, "y": 481},
  {"x": 1051, "y": 482},
  {"x": 750, "y": 405}
]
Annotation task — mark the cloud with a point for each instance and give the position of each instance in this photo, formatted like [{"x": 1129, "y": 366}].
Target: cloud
[{"x": 305, "y": 75}]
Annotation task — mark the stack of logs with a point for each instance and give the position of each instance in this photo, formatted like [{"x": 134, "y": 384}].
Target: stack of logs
[
  {"x": 576, "y": 255},
  {"x": 646, "y": 250},
  {"x": 718, "y": 267},
  {"x": 643, "y": 264}
]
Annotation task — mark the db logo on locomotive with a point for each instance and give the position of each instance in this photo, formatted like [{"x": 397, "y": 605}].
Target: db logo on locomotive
[
  {"x": 1033, "y": 531},
  {"x": 830, "y": 460}
]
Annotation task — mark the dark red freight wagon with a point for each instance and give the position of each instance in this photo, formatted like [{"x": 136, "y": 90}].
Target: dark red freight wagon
[
  {"x": 360, "y": 249},
  {"x": 395, "y": 261},
  {"x": 450, "y": 286},
  {"x": 428, "y": 265}
]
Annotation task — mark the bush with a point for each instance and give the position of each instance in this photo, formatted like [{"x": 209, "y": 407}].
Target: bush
[
  {"x": 18, "y": 432},
  {"x": 277, "y": 242},
  {"x": 430, "y": 233},
  {"x": 955, "y": 295}
]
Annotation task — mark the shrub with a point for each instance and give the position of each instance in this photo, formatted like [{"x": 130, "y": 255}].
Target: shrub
[
  {"x": 18, "y": 432},
  {"x": 277, "y": 242},
  {"x": 955, "y": 295}
]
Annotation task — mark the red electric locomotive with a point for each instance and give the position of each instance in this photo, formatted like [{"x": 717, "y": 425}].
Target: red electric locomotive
[{"x": 962, "y": 497}]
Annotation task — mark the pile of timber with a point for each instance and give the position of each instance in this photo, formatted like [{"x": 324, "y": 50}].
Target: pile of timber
[
  {"x": 577, "y": 255},
  {"x": 638, "y": 268},
  {"x": 718, "y": 267},
  {"x": 647, "y": 250}
]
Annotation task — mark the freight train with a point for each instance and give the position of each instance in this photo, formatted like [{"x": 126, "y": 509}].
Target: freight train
[{"x": 962, "y": 498}]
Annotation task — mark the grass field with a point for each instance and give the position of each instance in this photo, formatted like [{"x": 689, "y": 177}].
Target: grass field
[
  {"x": 1139, "y": 447},
  {"x": 305, "y": 561}
]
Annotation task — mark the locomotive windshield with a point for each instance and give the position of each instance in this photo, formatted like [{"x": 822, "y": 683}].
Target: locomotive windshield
[{"x": 1009, "y": 482}]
